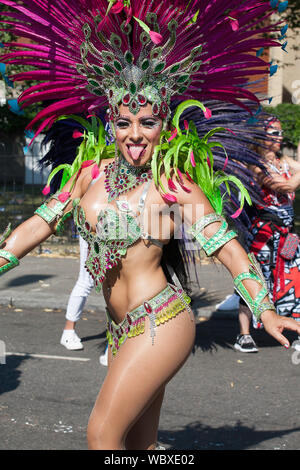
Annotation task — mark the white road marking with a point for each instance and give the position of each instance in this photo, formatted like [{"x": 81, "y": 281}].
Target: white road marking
[{"x": 45, "y": 356}]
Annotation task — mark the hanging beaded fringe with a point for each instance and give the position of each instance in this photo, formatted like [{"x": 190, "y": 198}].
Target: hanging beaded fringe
[{"x": 169, "y": 309}]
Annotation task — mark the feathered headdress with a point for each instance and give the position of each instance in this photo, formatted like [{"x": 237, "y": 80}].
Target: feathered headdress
[{"x": 87, "y": 54}]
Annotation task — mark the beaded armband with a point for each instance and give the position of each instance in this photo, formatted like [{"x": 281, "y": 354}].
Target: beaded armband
[
  {"x": 56, "y": 213},
  {"x": 220, "y": 238},
  {"x": 256, "y": 305},
  {"x": 12, "y": 260}
]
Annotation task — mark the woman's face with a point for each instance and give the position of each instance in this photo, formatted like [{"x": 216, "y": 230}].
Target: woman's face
[
  {"x": 137, "y": 135},
  {"x": 275, "y": 132}
]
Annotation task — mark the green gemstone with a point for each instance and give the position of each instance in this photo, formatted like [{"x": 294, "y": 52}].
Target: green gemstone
[
  {"x": 175, "y": 68},
  {"x": 98, "y": 92},
  {"x": 93, "y": 83},
  {"x": 128, "y": 57},
  {"x": 118, "y": 65},
  {"x": 132, "y": 88},
  {"x": 108, "y": 68},
  {"x": 145, "y": 64},
  {"x": 159, "y": 67},
  {"x": 183, "y": 78},
  {"x": 98, "y": 70}
]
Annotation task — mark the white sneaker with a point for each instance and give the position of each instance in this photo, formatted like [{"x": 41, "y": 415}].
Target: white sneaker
[
  {"x": 246, "y": 344},
  {"x": 296, "y": 344},
  {"x": 71, "y": 341},
  {"x": 231, "y": 302},
  {"x": 103, "y": 359}
]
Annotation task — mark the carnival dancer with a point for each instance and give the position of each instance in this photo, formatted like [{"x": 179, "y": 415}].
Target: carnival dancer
[
  {"x": 272, "y": 237},
  {"x": 136, "y": 57}
]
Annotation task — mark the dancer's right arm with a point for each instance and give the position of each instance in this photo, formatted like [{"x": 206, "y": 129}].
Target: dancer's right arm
[{"x": 35, "y": 230}]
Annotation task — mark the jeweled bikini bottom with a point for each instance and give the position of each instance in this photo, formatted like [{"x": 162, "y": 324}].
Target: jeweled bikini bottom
[{"x": 165, "y": 305}]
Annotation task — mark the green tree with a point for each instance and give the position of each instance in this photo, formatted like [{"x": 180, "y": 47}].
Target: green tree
[
  {"x": 292, "y": 14},
  {"x": 289, "y": 116}
]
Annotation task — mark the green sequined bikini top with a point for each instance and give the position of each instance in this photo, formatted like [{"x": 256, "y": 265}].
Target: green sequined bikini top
[{"x": 115, "y": 232}]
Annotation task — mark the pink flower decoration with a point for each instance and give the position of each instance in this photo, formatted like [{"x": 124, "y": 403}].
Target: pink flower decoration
[
  {"x": 77, "y": 135},
  {"x": 155, "y": 37},
  {"x": 117, "y": 8},
  {"x": 234, "y": 25},
  {"x": 87, "y": 163},
  {"x": 64, "y": 196},
  {"x": 208, "y": 162},
  {"x": 179, "y": 174},
  {"x": 169, "y": 197},
  {"x": 187, "y": 190},
  {"x": 189, "y": 176},
  {"x": 237, "y": 213},
  {"x": 173, "y": 135},
  {"x": 46, "y": 190},
  {"x": 128, "y": 12},
  {"x": 193, "y": 159},
  {"x": 186, "y": 125},
  {"x": 95, "y": 172},
  {"x": 225, "y": 163},
  {"x": 229, "y": 130},
  {"x": 207, "y": 113},
  {"x": 171, "y": 185},
  {"x": 102, "y": 23}
]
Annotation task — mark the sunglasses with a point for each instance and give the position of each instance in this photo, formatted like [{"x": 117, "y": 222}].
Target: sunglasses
[{"x": 276, "y": 133}]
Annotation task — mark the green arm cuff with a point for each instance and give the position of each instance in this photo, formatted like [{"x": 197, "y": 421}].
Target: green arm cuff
[
  {"x": 219, "y": 239},
  {"x": 54, "y": 214},
  {"x": 12, "y": 261},
  {"x": 256, "y": 305}
]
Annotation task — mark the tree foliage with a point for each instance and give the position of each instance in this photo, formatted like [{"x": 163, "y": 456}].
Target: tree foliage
[
  {"x": 289, "y": 116},
  {"x": 292, "y": 14}
]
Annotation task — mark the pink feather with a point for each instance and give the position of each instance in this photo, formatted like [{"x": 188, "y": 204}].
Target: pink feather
[
  {"x": 169, "y": 197},
  {"x": 193, "y": 159},
  {"x": 95, "y": 171},
  {"x": 155, "y": 37},
  {"x": 237, "y": 213},
  {"x": 46, "y": 190},
  {"x": 173, "y": 135},
  {"x": 171, "y": 185},
  {"x": 64, "y": 196}
]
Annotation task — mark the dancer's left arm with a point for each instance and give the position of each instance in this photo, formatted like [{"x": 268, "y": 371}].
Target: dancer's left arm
[{"x": 195, "y": 208}]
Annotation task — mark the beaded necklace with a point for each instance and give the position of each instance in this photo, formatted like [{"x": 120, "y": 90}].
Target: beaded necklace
[{"x": 121, "y": 177}]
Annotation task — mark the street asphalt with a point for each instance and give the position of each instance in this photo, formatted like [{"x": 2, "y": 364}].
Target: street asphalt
[{"x": 220, "y": 400}]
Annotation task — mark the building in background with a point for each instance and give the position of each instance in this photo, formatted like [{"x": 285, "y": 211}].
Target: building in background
[{"x": 284, "y": 86}]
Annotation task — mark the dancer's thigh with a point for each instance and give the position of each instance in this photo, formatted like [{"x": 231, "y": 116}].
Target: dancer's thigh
[{"x": 137, "y": 373}]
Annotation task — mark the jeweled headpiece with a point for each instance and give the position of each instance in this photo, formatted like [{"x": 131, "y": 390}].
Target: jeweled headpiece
[{"x": 152, "y": 77}]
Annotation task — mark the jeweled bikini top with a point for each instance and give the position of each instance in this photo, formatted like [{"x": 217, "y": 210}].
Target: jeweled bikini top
[{"x": 115, "y": 232}]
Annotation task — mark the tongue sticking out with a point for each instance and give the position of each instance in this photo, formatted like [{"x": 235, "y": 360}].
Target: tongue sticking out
[{"x": 135, "y": 151}]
